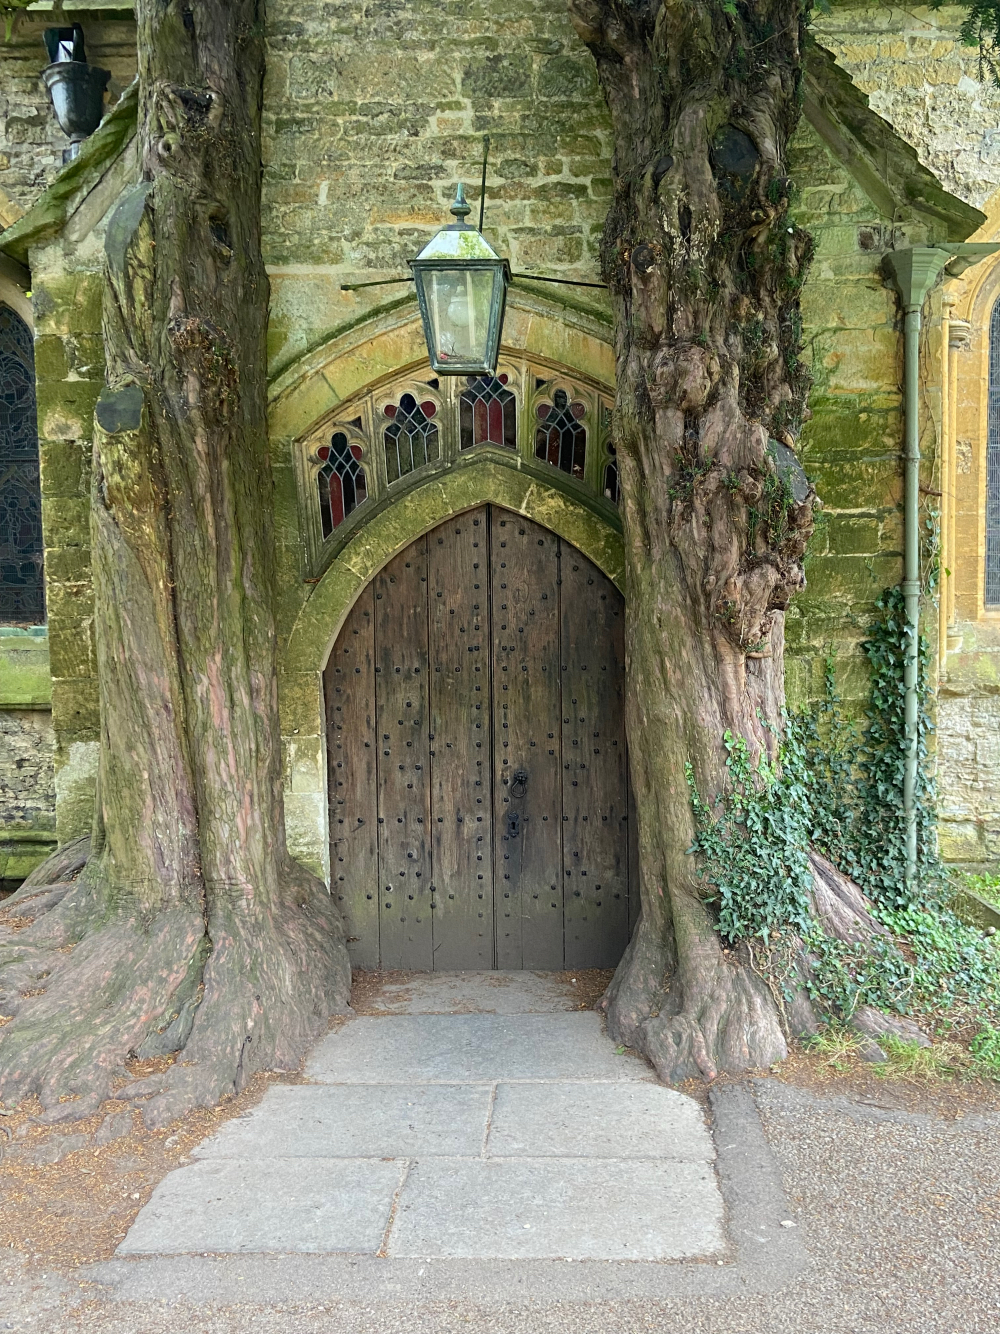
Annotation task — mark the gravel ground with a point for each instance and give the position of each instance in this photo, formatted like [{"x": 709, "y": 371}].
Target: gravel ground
[{"x": 899, "y": 1212}]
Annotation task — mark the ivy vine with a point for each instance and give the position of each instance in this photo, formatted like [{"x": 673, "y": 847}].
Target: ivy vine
[{"x": 838, "y": 787}]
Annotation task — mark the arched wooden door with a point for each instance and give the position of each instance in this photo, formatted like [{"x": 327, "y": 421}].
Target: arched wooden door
[{"x": 478, "y": 779}]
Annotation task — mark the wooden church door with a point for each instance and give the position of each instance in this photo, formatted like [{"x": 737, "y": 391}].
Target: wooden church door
[{"x": 478, "y": 779}]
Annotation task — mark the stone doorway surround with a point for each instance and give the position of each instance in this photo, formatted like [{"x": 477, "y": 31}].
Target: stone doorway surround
[{"x": 315, "y": 603}]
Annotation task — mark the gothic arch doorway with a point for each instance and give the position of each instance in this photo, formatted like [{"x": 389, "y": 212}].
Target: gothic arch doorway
[{"x": 478, "y": 779}]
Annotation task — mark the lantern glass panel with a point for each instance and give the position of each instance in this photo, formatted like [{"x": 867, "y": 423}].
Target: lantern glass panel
[{"x": 460, "y": 304}]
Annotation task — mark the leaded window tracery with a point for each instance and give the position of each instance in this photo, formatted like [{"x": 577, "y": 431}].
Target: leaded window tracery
[
  {"x": 22, "y": 594},
  {"x": 411, "y": 438},
  {"x": 342, "y": 483},
  {"x": 561, "y": 437},
  {"x": 538, "y": 419},
  {"x": 488, "y": 412}
]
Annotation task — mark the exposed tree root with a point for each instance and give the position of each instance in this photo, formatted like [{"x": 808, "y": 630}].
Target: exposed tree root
[
  {"x": 697, "y": 1009},
  {"x": 88, "y": 991},
  {"x": 709, "y": 1015}
]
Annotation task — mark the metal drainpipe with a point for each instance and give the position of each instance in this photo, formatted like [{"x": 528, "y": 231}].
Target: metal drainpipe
[
  {"x": 911, "y": 573},
  {"x": 914, "y": 272}
]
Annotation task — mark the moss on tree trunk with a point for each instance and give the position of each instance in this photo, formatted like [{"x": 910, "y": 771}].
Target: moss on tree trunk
[
  {"x": 190, "y": 929},
  {"x": 705, "y": 266}
]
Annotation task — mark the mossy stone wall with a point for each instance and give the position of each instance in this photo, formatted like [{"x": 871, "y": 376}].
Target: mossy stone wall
[
  {"x": 850, "y": 448},
  {"x": 67, "y": 292},
  {"x": 911, "y": 62},
  {"x": 370, "y": 117}
]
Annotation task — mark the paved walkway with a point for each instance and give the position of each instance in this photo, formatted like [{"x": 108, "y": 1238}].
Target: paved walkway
[{"x": 481, "y": 1116}]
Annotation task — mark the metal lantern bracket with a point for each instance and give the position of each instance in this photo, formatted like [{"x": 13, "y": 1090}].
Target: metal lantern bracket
[{"x": 529, "y": 277}]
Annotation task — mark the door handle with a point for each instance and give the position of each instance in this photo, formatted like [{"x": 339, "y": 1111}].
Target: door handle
[{"x": 519, "y": 783}]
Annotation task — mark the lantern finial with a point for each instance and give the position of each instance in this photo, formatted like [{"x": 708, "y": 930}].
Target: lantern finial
[{"x": 461, "y": 208}]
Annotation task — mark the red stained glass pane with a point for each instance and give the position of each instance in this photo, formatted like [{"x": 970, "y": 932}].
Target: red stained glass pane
[
  {"x": 342, "y": 483},
  {"x": 488, "y": 413},
  {"x": 560, "y": 438}
]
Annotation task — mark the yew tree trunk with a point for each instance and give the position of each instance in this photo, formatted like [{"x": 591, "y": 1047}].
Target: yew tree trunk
[
  {"x": 704, "y": 266},
  {"x": 190, "y": 930}
]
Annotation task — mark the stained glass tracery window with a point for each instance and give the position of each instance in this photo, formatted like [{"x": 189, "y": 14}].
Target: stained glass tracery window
[
  {"x": 411, "y": 438},
  {"x": 342, "y": 481},
  {"x": 22, "y": 594},
  {"x": 560, "y": 436},
  {"x": 488, "y": 413},
  {"x": 416, "y": 427},
  {"x": 611, "y": 477}
]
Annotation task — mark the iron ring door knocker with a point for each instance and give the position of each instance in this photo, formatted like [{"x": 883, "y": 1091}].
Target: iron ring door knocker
[{"x": 518, "y": 789}]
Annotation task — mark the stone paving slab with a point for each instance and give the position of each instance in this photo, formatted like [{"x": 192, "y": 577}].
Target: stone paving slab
[
  {"x": 478, "y": 993},
  {"x": 477, "y": 1048},
  {"x": 286, "y": 1204},
  {"x": 358, "y": 1121},
  {"x": 586, "y": 1209},
  {"x": 621, "y": 1120}
]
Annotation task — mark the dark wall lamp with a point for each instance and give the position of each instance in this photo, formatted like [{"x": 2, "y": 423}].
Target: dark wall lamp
[{"x": 76, "y": 88}]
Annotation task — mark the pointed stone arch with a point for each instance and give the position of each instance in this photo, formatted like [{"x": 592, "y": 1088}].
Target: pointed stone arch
[{"x": 350, "y": 363}]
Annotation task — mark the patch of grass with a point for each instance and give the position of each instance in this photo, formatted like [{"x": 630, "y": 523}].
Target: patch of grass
[
  {"x": 834, "y": 1045},
  {"x": 908, "y": 1060},
  {"x": 985, "y": 1052},
  {"x": 837, "y": 1047}
]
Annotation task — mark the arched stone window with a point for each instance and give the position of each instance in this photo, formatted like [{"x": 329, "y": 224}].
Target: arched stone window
[
  {"x": 22, "y": 592},
  {"x": 992, "y": 591}
]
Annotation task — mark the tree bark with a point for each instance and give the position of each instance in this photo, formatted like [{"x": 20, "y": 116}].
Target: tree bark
[
  {"x": 704, "y": 267},
  {"x": 190, "y": 929}
]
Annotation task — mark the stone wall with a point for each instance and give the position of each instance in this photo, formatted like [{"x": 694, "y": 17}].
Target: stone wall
[
  {"x": 31, "y": 142},
  {"x": 919, "y": 76},
  {"x": 969, "y": 751},
  {"x": 371, "y": 116},
  {"x": 27, "y": 793},
  {"x": 67, "y": 283},
  {"x": 850, "y": 448}
]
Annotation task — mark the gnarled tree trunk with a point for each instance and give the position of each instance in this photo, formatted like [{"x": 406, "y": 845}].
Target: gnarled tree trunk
[
  {"x": 190, "y": 929},
  {"x": 704, "y": 266}
]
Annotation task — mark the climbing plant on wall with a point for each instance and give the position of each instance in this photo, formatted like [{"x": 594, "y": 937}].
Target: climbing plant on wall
[{"x": 838, "y": 788}]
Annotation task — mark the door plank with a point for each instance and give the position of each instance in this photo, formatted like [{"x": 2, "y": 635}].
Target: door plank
[
  {"x": 594, "y": 769},
  {"x": 349, "y": 698},
  {"x": 406, "y": 929},
  {"x": 460, "y": 735},
  {"x": 527, "y": 730}
]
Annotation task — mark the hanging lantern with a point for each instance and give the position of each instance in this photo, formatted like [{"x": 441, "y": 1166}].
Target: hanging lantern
[{"x": 462, "y": 289}]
